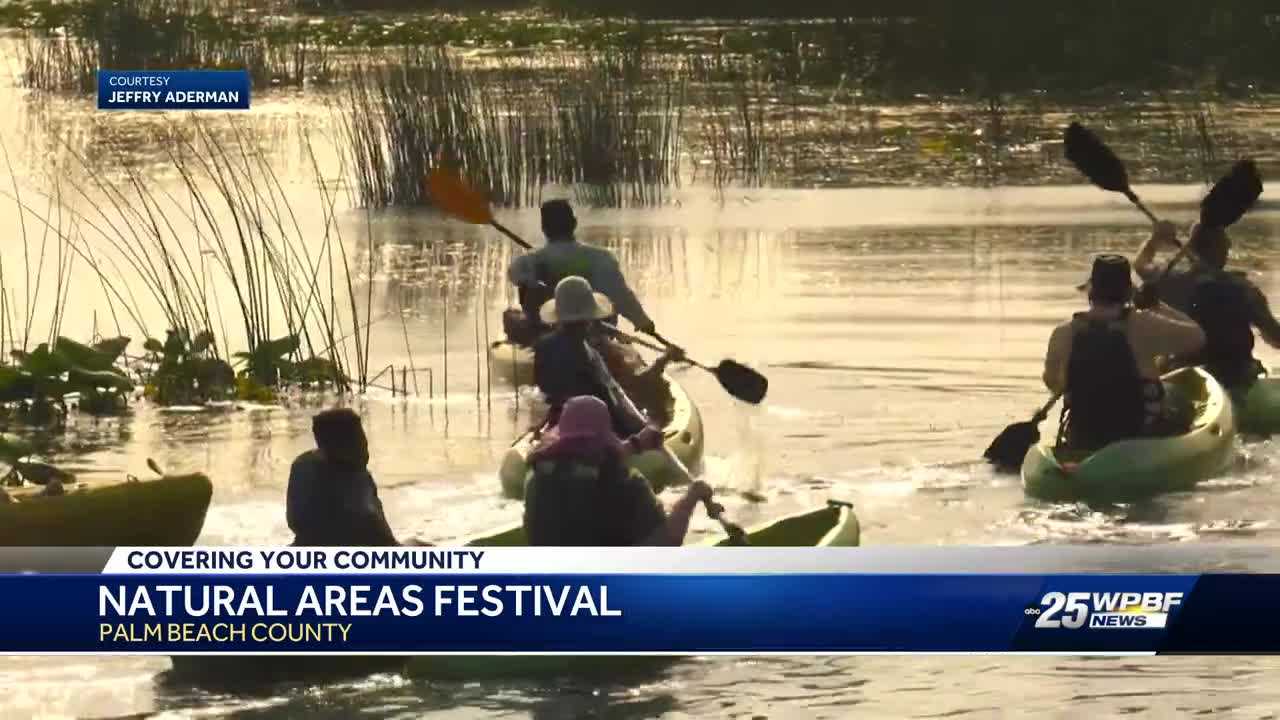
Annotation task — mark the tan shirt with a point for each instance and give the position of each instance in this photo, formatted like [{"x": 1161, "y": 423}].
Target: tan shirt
[{"x": 1152, "y": 334}]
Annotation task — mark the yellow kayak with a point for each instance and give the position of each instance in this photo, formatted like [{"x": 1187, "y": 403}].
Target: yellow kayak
[
  {"x": 165, "y": 511},
  {"x": 512, "y": 363}
]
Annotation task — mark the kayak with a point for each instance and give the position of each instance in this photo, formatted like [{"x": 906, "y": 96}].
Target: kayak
[
  {"x": 1140, "y": 468},
  {"x": 683, "y": 437},
  {"x": 165, "y": 511},
  {"x": 1257, "y": 407},
  {"x": 834, "y": 525},
  {"x": 512, "y": 363}
]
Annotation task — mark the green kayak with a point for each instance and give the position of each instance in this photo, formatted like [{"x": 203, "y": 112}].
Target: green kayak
[
  {"x": 1143, "y": 467},
  {"x": 1257, "y": 407},
  {"x": 834, "y": 525}
]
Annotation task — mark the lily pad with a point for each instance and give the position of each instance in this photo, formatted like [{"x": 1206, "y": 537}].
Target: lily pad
[{"x": 81, "y": 379}]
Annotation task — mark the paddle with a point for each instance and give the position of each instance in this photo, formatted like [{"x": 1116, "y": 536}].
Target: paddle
[
  {"x": 737, "y": 536},
  {"x": 1010, "y": 446},
  {"x": 1092, "y": 157},
  {"x": 453, "y": 195},
  {"x": 740, "y": 381}
]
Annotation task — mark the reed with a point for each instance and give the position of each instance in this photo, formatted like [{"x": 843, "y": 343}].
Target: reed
[
  {"x": 229, "y": 221},
  {"x": 599, "y": 124},
  {"x": 65, "y": 45}
]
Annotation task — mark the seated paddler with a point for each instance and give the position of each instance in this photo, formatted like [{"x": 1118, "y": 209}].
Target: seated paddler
[
  {"x": 1226, "y": 304},
  {"x": 567, "y": 362},
  {"x": 1105, "y": 362},
  {"x": 536, "y": 275},
  {"x": 581, "y": 492},
  {"x": 332, "y": 498}
]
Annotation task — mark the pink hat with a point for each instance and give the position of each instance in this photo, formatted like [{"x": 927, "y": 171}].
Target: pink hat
[
  {"x": 585, "y": 425},
  {"x": 583, "y": 417}
]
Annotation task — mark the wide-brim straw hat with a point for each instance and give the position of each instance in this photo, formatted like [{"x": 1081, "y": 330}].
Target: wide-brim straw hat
[{"x": 575, "y": 301}]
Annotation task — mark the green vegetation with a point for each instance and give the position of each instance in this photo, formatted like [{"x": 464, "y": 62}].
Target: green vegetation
[
  {"x": 68, "y": 43},
  {"x": 607, "y": 123},
  {"x": 892, "y": 49},
  {"x": 289, "y": 285},
  {"x": 183, "y": 370},
  {"x": 38, "y": 381}
]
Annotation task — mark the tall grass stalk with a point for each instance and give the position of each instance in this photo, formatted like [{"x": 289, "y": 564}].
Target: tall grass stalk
[{"x": 608, "y": 124}]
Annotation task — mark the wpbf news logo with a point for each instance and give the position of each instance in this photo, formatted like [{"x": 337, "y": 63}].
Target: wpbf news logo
[{"x": 1105, "y": 610}]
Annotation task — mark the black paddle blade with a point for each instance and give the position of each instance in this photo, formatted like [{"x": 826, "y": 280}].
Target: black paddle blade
[
  {"x": 1092, "y": 157},
  {"x": 1232, "y": 196},
  {"x": 1011, "y": 445},
  {"x": 741, "y": 381}
]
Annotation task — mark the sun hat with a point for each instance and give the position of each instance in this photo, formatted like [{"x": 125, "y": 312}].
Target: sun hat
[
  {"x": 1110, "y": 279},
  {"x": 575, "y": 301},
  {"x": 586, "y": 417},
  {"x": 585, "y": 428}
]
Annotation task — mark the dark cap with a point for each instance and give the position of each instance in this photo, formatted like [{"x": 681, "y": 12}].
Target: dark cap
[
  {"x": 1110, "y": 281},
  {"x": 557, "y": 218}
]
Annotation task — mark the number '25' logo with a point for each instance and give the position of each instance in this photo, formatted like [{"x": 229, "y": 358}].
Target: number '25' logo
[{"x": 1076, "y": 606}]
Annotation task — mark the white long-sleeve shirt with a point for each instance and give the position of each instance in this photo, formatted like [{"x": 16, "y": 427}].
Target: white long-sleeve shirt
[{"x": 562, "y": 258}]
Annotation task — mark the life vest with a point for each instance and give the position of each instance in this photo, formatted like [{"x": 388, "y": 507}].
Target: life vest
[
  {"x": 1106, "y": 399},
  {"x": 572, "y": 502},
  {"x": 1220, "y": 305},
  {"x": 532, "y": 298}
]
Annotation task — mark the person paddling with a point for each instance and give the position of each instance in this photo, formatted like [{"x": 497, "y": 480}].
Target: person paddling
[
  {"x": 1227, "y": 305},
  {"x": 1104, "y": 360},
  {"x": 536, "y": 274},
  {"x": 580, "y": 492},
  {"x": 332, "y": 498},
  {"x": 566, "y": 362}
]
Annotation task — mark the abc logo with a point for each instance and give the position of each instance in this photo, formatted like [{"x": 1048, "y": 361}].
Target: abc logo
[{"x": 1031, "y": 610}]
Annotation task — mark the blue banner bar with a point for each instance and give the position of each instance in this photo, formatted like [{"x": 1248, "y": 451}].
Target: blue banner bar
[
  {"x": 639, "y": 613},
  {"x": 173, "y": 90}
]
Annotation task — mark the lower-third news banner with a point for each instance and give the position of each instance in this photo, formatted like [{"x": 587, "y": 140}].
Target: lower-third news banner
[{"x": 613, "y": 601}]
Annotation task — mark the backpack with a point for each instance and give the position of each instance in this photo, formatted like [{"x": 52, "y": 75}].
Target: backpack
[
  {"x": 1106, "y": 397},
  {"x": 1220, "y": 305}
]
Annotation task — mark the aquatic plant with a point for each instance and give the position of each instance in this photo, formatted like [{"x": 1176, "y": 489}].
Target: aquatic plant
[
  {"x": 39, "y": 381},
  {"x": 601, "y": 124},
  {"x": 185, "y": 371},
  {"x": 229, "y": 225}
]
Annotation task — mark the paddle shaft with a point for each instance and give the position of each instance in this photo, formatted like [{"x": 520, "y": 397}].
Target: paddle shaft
[
  {"x": 514, "y": 237},
  {"x": 1133, "y": 198},
  {"x": 656, "y": 348},
  {"x": 1043, "y": 412}
]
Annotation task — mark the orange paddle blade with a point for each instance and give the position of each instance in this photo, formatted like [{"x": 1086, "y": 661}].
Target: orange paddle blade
[{"x": 451, "y": 194}]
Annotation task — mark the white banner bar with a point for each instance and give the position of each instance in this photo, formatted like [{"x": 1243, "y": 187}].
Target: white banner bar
[{"x": 1187, "y": 558}]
